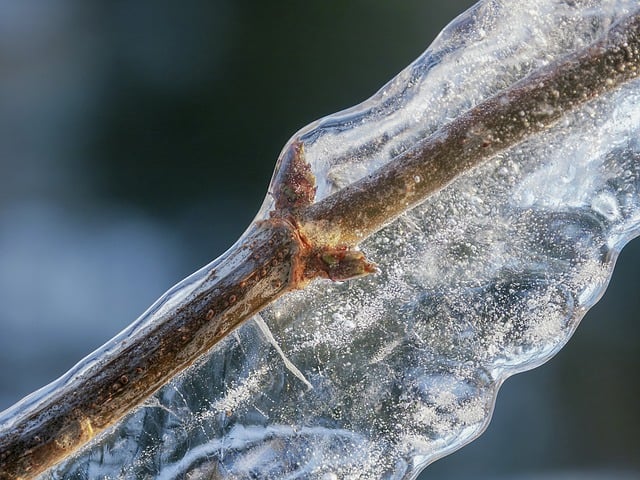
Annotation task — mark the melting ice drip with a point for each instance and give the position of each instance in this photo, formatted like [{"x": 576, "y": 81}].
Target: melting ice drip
[{"x": 487, "y": 278}]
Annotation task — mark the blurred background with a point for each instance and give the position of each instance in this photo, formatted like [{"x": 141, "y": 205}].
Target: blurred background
[{"x": 137, "y": 140}]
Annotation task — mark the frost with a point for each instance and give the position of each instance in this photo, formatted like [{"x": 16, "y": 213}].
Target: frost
[{"x": 486, "y": 278}]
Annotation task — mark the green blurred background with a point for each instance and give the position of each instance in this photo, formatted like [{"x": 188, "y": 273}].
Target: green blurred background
[{"x": 137, "y": 139}]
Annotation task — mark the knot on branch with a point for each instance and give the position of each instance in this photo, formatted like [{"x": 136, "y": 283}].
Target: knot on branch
[
  {"x": 294, "y": 189},
  {"x": 294, "y": 185},
  {"x": 339, "y": 263}
]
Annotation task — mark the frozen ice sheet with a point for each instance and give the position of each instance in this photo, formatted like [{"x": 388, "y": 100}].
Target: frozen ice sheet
[{"x": 486, "y": 278}]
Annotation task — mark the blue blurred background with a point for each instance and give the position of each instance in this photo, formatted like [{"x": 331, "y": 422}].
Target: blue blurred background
[{"x": 137, "y": 140}]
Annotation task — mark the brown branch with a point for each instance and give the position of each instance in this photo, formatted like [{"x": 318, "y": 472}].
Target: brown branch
[
  {"x": 301, "y": 241},
  {"x": 526, "y": 108},
  {"x": 260, "y": 269}
]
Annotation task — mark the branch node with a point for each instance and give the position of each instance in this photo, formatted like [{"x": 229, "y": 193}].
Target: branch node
[
  {"x": 341, "y": 263},
  {"x": 294, "y": 185}
]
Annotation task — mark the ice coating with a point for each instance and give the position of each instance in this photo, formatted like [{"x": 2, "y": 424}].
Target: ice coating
[
  {"x": 487, "y": 278},
  {"x": 477, "y": 55}
]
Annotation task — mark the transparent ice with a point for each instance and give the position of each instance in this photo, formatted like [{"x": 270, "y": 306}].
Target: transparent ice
[{"x": 377, "y": 377}]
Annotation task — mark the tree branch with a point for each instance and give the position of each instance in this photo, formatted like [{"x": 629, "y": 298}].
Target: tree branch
[
  {"x": 300, "y": 241},
  {"x": 526, "y": 108}
]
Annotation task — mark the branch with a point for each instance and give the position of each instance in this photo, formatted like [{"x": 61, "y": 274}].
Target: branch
[
  {"x": 526, "y": 108},
  {"x": 300, "y": 241}
]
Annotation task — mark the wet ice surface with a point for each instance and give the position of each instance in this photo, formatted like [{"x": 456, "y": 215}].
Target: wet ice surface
[{"x": 486, "y": 278}]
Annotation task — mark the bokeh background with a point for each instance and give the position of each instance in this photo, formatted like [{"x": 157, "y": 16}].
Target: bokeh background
[{"x": 137, "y": 139}]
